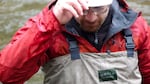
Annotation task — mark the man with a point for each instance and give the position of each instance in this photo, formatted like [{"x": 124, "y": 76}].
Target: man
[{"x": 80, "y": 42}]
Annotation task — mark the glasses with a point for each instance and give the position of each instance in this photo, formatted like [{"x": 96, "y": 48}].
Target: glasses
[{"x": 96, "y": 10}]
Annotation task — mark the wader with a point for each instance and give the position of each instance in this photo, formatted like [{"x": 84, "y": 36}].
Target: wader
[{"x": 95, "y": 68}]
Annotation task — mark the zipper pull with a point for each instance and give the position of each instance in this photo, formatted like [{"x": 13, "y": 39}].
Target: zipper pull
[{"x": 96, "y": 38}]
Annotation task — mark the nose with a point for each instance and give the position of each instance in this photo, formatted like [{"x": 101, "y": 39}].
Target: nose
[{"x": 91, "y": 16}]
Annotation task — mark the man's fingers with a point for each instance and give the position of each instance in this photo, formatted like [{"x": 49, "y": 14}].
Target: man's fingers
[
  {"x": 78, "y": 7},
  {"x": 84, "y": 4},
  {"x": 71, "y": 9},
  {"x": 64, "y": 10}
]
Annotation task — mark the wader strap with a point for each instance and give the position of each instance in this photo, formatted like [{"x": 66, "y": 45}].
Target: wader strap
[
  {"x": 129, "y": 42},
  {"x": 73, "y": 46}
]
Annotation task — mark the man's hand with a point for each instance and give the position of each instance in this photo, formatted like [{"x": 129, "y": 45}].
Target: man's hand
[{"x": 64, "y": 10}]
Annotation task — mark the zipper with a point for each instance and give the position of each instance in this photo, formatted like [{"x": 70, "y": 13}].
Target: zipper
[{"x": 96, "y": 38}]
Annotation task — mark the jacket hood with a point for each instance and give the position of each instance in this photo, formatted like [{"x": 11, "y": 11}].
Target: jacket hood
[{"x": 123, "y": 17}]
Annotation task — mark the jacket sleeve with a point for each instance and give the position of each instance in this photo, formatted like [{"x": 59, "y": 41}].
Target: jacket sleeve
[
  {"x": 21, "y": 58},
  {"x": 144, "y": 49}
]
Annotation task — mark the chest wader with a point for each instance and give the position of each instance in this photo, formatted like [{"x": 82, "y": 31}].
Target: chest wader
[{"x": 94, "y": 68}]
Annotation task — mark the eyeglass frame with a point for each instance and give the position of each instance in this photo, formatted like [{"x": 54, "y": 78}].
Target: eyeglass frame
[{"x": 96, "y": 10}]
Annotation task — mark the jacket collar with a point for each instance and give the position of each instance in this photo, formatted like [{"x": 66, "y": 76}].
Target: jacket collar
[{"x": 123, "y": 17}]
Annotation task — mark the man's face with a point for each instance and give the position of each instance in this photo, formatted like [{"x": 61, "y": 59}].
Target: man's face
[{"x": 93, "y": 18}]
